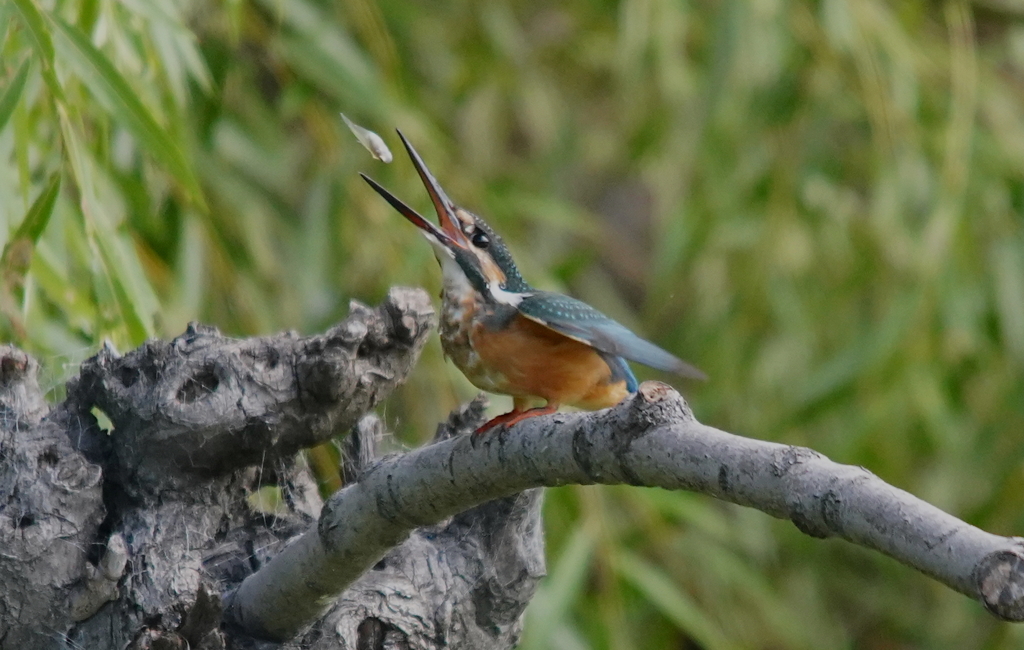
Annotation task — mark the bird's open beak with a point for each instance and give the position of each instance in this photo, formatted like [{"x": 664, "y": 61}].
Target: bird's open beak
[
  {"x": 449, "y": 234},
  {"x": 430, "y": 231}
]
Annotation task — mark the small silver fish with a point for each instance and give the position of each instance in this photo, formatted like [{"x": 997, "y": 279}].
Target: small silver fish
[{"x": 373, "y": 142}]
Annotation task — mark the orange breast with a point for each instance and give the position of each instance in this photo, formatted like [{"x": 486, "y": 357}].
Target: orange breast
[
  {"x": 457, "y": 321},
  {"x": 538, "y": 362}
]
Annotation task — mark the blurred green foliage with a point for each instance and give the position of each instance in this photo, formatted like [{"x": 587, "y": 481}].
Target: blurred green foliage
[{"x": 817, "y": 202}]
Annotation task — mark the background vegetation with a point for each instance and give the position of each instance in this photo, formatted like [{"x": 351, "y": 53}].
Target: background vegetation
[{"x": 819, "y": 203}]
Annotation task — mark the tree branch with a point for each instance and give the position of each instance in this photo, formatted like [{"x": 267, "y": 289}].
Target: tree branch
[
  {"x": 125, "y": 538},
  {"x": 138, "y": 530},
  {"x": 203, "y": 404},
  {"x": 651, "y": 440}
]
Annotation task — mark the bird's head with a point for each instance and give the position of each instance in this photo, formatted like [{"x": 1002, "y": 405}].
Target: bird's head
[{"x": 471, "y": 254}]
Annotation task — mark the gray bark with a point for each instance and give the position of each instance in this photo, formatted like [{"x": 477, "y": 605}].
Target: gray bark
[
  {"x": 650, "y": 440},
  {"x": 51, "y": 507},
  {"x": 127, "y": 538},
  {"x": 149, "y": 536},
  {"x": 411, "y": 581}
]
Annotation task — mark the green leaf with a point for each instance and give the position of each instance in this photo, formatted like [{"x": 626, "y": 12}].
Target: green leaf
[
  {"x": 134, "y": 296},
  {"x": 119, "y": 279},
  {"x": 107, "y": 84},
  {"x": 36, "y": 25},
  {"x": 39, "y": 214},
  {"x": 18, "y": 251},
  {"x": 74, "y": 302},
  {"x": 177, "y": 45},
  {"x": 13, "y": 93}
]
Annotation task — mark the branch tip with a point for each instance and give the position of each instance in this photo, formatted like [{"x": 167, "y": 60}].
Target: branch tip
[
  {"x": 15, "y": 365},
  {"x": 656, "y": 391},
  {"x": 1000, "y": 581},
  {"x": 410, "y": 310},
  {"x": 20, "y": 395},
  {"x": 657, "y": 403}
]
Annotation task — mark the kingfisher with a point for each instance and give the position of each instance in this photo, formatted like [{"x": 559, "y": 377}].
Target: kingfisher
[{"x": 510, "y": 338}]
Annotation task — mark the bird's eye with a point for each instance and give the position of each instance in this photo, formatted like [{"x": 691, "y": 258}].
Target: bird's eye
[{"x": 480, "y": 239}]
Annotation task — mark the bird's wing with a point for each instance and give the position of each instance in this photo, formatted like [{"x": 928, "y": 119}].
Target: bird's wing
[{"x": 580, "y": 321}]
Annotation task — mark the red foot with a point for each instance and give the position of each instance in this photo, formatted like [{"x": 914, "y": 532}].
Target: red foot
[{"x": 514, "y": 416}]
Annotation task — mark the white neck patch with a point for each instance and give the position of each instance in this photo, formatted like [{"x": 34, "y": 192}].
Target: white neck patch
[{"x": 506, "y": 297}]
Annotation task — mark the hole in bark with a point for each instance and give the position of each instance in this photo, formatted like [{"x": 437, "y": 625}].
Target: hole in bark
[
  {"x": 264, "y": 358},
  {"x": 198, "y": 385},
  {"x": 128, "y": 375},
  {"x": 49, "y": 457},
  {"x": 12, "y": 366},
  {"x": 370, "y": 634},
  {"x": 25, "y": 521},
  {"x": 381, "y": 565}
]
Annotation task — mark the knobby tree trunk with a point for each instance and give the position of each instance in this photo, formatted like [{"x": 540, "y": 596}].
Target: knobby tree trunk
[{"x": 160, "y": 533}]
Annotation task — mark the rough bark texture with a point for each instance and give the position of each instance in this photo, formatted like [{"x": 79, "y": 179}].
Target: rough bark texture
[
  {"x": 51, "y": 506},
  {"x": 120, "y": 539},
  {"x": 462, "y": 582},
  {"x": 152, "y": 535},
  {"x": 651, "y": 439}
]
